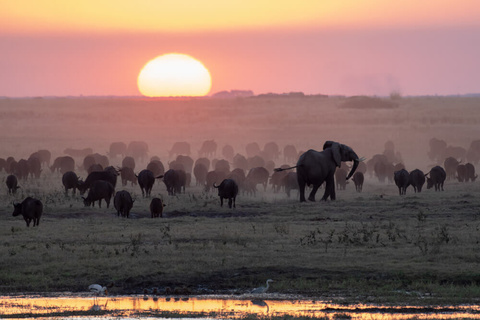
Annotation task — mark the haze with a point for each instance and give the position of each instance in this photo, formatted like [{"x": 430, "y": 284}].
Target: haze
[{"x": 52, "y": 48}]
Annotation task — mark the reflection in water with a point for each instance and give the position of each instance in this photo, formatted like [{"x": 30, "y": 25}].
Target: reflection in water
[{"x": 225, "y": 306}]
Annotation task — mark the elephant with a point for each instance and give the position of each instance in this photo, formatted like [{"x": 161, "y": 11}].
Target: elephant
[{"x": 315, "y": 167}]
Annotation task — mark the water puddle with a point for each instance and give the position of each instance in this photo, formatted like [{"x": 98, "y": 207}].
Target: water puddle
[{"x": 218, "y": 307}]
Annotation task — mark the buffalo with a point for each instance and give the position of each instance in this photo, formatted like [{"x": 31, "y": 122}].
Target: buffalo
[
  {"x": 100, "y": 189},
  {"x": 30, "y": 209},
  {"x": 117, "y": 149},
  {"x": 179, "y": 148},
  {"x": 470, "y": 172},
  {"x": 146, "y": 179},
  {"x": 402, "y": 180},
  {"x": 228, "y": 189},
  {"x": 200, "y": 173},
  {"x": 174, "y": 180},
  {"x": 461, "y": 173},
  {"x": 417, "y": 180},
  {"x": 70, "y": 181},
  {"x": 156, "y": 207},
  {"x": 437, "y": 178},
  {"x": 451, "y": 165},
  {"x": 341, "y": 178},
  {"x": 358, "y": 179},
  {"x": 43, "y": 155},
  {"x": 12, "y": 184},
  {"x": 258, "y": 175},
  {"x": 156, "y": 166},
  {"x": 106, "y": 175},
  {"x": 214, "y": 177},
  {"x": 138, "y": 150},
  {"x": 290, "y": 182},
  {"x": 208, "y": 149},
  {"x": 123, "y": 203},
  {"x": 63, "y": 164},
  {"x": 127, "y": 174}
]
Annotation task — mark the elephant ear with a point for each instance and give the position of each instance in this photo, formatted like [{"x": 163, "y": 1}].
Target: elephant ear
[{"x": 337, "y": 157}]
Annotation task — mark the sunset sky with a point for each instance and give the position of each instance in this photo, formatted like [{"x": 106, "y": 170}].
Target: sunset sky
[{"x": 373, "y": 47}]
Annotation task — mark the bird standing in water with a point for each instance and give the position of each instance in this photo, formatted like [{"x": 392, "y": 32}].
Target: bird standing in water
[
  {"x": 262, "y": 289},
  {"x": 97, "y": 290}
]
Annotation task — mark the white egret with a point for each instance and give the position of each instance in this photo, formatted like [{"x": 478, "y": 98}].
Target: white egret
[
  {"x": 98, "y": 289},
  {"x": 262, "y": 289}
]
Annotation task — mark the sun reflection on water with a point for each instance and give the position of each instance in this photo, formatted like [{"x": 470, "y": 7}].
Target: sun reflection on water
[{"x": 224, "y": 306}]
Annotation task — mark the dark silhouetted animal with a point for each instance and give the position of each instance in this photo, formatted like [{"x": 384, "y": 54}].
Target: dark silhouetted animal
[
  {"x": 271, "y": 151},
  {"x": 156, "y": 207},
  {"x": 78, "y": 153},
  {"x": 437, "y": 178},
  {"x": 123, "y": 203},
  {"x": 128, "y": 162},
  {"x": 63, "y": 164},
  {"x": 461, "y": 173},
  {"x": 470, "y": 172},
  {"x": 174, "y": 180},
  {"x": 417, "y": 180},
  {"x": 117, "y": 149},
  {"x": 228, "y": 189},
  {"x": 200, "y": 173},
  {"x": 239, "y": 161},
  {"x": 341, "y": 178},
  {"x": 315, "y": 168},
  {"x": 179, "y": 148},
  {"x": 34, "y": 167},
  {"x": 290, "y": 182},
  {"x": 138, "y": 150},
  {"x": 258, "y": 175},
  {"x": 238, "y": 175},
  {"x": 402, "y": 180},
  {"x": 228, "y": 152},
  {"x": 214, "y": 177},
  {"x": 22, "y": 170},
  {"x": 222, "y": 165},
  {"x": 450, "y": 165},
  {"x": 252, "y": 149},
  {"x": 358, "y": 179},
  {"x": 146, "y": 179},
  {"x": 30, "y": 209},
  {"x": 186, "y": 161},
  {"x": 70, "y": 181},
  {"x": 12, "y": 184},
  {"x": 208, "y": 149},
  {"x": 276, "y": 180},
  {"x": 127, "y": 174},
  {"x": 105, "y": 175},
  {"x": 43, "y": 155},
  {"x": 100, "y": 189},
  {"x": 255, "y": 161},
  {"x": 156, "y": 166},
  {"x": 204, "y": 161}
]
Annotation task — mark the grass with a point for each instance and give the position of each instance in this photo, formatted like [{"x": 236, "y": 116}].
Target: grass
[
  {"x": 361, "y": 246},
  {"x": 370, "y": 246}
]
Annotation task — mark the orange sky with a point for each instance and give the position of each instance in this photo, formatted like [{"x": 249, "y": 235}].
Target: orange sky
[{"x": 333, "y": 47}]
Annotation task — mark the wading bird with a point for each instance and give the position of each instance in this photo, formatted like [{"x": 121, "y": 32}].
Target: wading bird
[
  {"x": 262, "y": 289},
  {"x": 97, "y": 290}
]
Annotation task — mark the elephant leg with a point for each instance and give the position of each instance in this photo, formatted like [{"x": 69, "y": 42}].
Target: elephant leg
[
  {"x": 311, "y": 197},
  {"x": 329, "y": 188},
  {"x": 301, "y": 189}
]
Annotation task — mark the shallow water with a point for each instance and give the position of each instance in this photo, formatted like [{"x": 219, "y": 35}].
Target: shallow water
[{"x": 215, "y": 307}]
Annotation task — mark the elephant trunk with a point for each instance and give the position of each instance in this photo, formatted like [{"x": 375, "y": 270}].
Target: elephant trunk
[{"x": 354, "y": 167}]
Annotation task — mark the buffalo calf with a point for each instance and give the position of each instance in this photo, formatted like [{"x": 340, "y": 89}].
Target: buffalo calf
[
  {"x": 156, "y": 207},
  {"x": 30, "y": 209},
  {"x": 12, "y": 184}
]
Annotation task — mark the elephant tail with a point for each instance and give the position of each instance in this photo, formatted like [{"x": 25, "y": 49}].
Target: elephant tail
[{"x": 283, "y": 169}]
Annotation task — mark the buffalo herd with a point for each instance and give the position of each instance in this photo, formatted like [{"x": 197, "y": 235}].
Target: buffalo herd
[{"x": 217, "y": 168}]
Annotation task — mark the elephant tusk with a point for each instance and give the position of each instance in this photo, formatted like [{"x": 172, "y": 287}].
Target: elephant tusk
[{"x": 362, "y": 159}]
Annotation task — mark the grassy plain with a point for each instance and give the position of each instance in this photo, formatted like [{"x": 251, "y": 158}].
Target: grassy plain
[{"x": 374, "y": 246}]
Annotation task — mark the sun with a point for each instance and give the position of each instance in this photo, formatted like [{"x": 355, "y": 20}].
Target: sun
[{"x": 174, "y": 75}]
